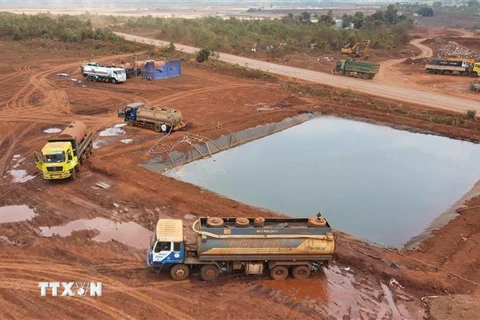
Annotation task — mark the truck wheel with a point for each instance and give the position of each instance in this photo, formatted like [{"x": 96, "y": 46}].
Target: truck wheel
[
  {"x": 114, "y": 81},
  {"x": 301, "y": 272},
  {"x": 347, "y": 73},
  {"x": 158, "y": 127},
  {"x": 130, "y": 122},
  {"x": 279, "y": 273},
  {"x": 179, "y": 272},
  {"x": 209, "y": 272},
  {"x": 73, "y": 176},
  {"x": 366, "y": 76}
]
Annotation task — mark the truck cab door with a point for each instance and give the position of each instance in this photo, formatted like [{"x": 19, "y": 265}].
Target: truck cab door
[
  {"x": 161, "y": 252},
  {"x": 38, "y": 160}
]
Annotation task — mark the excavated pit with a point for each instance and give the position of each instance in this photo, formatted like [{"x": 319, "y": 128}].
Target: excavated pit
[{"x": 375, "y": 182}]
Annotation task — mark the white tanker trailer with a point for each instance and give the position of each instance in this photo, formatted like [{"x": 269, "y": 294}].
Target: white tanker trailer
[{"x": 106, "y": 74}]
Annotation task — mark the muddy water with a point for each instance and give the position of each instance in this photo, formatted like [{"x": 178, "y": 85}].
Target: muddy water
[
  {"x": 128, "y": 233},
  {"x": 16, "y": 213},
  {"x": 375, "y": 182},
  {"x": 336, "y": 292}
]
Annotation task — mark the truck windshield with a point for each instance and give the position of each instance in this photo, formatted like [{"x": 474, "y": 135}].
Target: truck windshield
[{"x": 55, "y": 158}]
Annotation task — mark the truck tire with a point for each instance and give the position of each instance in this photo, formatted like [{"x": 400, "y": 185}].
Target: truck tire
[
  {"x": 179, "y": 272},
  {"x": 215, "y": 222},
  {"x": 366, "y": 76},
  {"x": 347, "y": 73},
  {"x": 158, "y": 127},
  {"x": 114, "y": 81},
  {"x": 130, "y": 122},
  {"x": 73, "y": 176},
  {"x": 301, "y": 272},
  {"x": 279, "y": 273},
  {"x": 209, "y": 272}
]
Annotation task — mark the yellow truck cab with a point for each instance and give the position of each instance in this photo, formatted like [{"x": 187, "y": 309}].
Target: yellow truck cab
[
  {"x": 61, "y": 157},
  {"x": 476, "y": 68}
]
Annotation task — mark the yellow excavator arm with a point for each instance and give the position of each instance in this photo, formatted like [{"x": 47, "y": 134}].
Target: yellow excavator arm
[{"x": 354, "y": 50}]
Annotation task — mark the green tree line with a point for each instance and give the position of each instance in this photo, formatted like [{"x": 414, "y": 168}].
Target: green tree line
[
  {"x": 385, "y": 29},
  {"x": 47, "y": 26}
]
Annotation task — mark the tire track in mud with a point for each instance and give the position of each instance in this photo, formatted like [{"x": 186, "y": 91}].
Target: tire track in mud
[
  {"x": 54, "y": 107},
  {"x": 15, "y": 270},
  {"x": 177, "y": 96}
]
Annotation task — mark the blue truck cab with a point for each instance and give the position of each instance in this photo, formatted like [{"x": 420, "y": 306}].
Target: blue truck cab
[
  {"x": 167, "y": 247},
  {"x": 129, "y": 113}
]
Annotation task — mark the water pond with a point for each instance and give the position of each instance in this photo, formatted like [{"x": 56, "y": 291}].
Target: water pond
[{"x": 375, "y": 182}]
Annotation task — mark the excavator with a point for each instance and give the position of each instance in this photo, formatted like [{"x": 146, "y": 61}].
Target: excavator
[{"x": 355, "y": 49}]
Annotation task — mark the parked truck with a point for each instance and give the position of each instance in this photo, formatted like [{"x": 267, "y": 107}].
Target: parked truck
[
  {"x": 159, "y": 119},
  {"x": 359, "y": 69},
  {"x": 95, "y": 72},
  {"x": 62, "y": 156},
  {"x": 298, "y": 246},
  {"x": 455, "y": 66}
]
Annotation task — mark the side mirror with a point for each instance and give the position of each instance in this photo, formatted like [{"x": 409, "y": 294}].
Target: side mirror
[
  {"x": 38, "y": 160},
  {"x": 121, "y": 113}
]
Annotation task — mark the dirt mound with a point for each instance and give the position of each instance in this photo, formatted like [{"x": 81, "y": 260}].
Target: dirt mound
[{"x": 453, "y": 307}]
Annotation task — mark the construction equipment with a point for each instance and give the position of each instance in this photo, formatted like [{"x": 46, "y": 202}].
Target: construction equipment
[
  {"x": 355, "y": 49},
  {"x": 62, "y": 156},
  {"x": 475, "y": 85},
  {"x": 249, "y": 245},
  {"x": 159, "y": 119},
  {"x": 455, "y": 66},
  {"x": 359, "y": 69}
]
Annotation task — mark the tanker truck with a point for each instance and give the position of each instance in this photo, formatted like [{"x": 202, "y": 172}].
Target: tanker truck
[
  {"x": 161, "y": 120},
  {"x": 103, "y": 73},
  {"x": 281, "y": 246},
  {"x": 62, "y": 156},
  {"x": 359, "y": 69}
]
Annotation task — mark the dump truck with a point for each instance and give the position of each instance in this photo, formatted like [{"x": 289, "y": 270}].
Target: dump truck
[
  {"x": 298, "y": 246},
  {"x": 454, "y": 66},
  {"x": 95, "y": 72},
  {"x": 159, "y": 119},
  {"x": 61, "y": 157},
  {"x": 475, "y": 85},
  {"x": 359, "y": 69}
]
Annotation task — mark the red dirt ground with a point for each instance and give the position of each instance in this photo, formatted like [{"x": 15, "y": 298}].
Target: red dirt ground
[{"x": 34, "y": 98}]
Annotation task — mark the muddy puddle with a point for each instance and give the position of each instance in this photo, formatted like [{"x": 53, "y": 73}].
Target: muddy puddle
[
  {"x": 16, "y": 213},
  {"x": 128, "y": 233},
  {"x": 375, "y": 182},
  {"x": 335, "y": 291}
]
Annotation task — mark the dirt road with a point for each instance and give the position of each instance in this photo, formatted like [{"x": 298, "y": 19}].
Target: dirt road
[
  {"x": 388, "y": 75},
  {"x": 375, "y": 88},
  {"x": 36, "y": 97}
]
